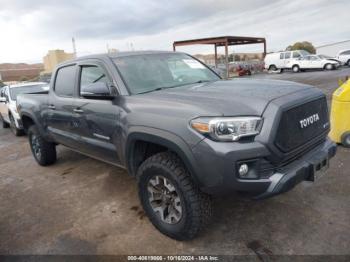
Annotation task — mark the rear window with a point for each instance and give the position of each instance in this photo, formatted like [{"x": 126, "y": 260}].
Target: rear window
[
  {"x": 65, "y": 81},
  {"x": 281, "y": 55}
]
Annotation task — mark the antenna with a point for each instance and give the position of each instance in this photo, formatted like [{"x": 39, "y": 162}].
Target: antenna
[{"x": 74, "y": 48}]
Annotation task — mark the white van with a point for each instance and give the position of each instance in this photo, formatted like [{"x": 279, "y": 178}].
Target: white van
[
  {"x": 282, "y": 60},
  {"x": 344, "y": 57}
]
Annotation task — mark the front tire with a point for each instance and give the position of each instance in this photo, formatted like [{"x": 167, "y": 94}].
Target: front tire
[
  {"x": 328, "y": 67},
  {"x": 43, "y": 151},
  {"x": 172, "y": 201},
  {"x": 345, "y": 139},
  {"x": 14, "y": 129},
  {"x": 296, "y": 68}
]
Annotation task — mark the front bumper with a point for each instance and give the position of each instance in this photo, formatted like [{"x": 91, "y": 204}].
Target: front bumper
[
  {"x": 219, "y": 174},
  {"x": 304, "y": 170}
]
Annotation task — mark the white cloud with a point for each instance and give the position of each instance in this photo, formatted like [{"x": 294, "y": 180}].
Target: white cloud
[{"x": 30, "y": 28}]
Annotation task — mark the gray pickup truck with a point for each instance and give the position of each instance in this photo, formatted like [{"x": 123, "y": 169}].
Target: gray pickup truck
[{"x": 184, "y": 133}]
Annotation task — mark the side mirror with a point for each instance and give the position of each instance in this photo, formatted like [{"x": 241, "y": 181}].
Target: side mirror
[
  {"x": 99, "y": 90},
  {"x": 2, "y": 99}
]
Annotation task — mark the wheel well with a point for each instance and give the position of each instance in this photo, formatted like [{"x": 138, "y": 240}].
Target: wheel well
[
  {"x": 27, "y": 122},
  {"x": 295, "y": 65},
  {"x": 272, "y": 66},
  {"x": 143, "y": 150},
  {"x": 326, "y": 65}
]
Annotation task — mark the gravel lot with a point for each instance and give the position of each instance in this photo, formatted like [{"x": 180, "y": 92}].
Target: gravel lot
[{"x": 83, "y": 206}]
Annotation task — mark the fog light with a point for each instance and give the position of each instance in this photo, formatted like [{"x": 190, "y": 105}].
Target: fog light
[{"x": 243, "y": 170}]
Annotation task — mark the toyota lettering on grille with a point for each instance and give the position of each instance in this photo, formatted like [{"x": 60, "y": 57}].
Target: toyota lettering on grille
[{"x": 309, "y": 120}]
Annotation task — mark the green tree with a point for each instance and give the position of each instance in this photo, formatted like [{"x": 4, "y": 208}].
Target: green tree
[
  {"x": 305, "y": 45},
  {"x": 1, "y": 84}
]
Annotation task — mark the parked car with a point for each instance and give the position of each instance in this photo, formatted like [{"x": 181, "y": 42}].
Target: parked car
[
  {"x": 184, "y": 133},
  {"x": 282, "y": 60},
  {"x": 8, "y": 109},
  {"x": 313, "y": 62},
  {"x": 330, "y": 58},
  {"x": 344, "y": 57}
]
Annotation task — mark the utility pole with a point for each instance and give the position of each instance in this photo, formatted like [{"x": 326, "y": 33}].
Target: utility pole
[{"x": 74, "y": 48}]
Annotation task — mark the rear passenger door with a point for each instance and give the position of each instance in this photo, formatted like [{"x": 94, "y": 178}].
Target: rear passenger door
[
  {"x": 60, "y": 106},
  {"x": 96, "y": 119}
]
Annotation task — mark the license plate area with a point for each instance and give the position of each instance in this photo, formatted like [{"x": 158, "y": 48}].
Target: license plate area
[{"x": 318, "y": 168}]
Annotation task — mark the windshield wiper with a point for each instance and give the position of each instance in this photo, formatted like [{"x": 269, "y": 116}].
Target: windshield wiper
[
  {"x": 202, "y": 81},
  {"x": 156, "y": 89},
  {"x": 168, "y": 87}
]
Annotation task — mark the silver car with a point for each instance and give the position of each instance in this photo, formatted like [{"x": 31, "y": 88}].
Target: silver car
[{"x": 8, "y": 107}]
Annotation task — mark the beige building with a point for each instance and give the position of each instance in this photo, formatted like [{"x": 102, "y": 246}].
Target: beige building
[{"x": 53, "y": 58}]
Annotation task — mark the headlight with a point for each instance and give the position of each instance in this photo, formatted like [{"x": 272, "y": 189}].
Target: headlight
[{"x": 227, "y": 128}]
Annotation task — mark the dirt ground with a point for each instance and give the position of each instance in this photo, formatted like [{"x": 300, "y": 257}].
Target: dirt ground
[{"x": 83, "y": 206}]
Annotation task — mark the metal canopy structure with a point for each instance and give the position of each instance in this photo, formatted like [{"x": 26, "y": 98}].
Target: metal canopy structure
[{"x": 225, "y": 41}]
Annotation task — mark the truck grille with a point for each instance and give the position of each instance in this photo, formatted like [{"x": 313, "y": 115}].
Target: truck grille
[{"x": 303, "y": 125}]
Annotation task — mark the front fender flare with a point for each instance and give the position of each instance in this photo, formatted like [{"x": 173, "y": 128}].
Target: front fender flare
[{"x": 163, "y": 138}]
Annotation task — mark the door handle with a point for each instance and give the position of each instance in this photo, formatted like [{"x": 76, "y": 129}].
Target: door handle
[
  {"x": 77, "y": 110},
  {"x": 51, "y": 107}
]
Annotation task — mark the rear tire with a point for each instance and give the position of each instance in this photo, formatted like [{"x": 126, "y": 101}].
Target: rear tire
[
  {"x": 14, "y": 129},
  {"x": 162, "y": 177},
  {"x": 296, "y": 68},
  {"x": 43, "y": 151},
  {"x": 345, "y": 139},
  {"x": 4, "y": 124}
]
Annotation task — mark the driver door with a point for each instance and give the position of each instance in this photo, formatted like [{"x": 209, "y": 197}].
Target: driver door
[
  {"x": 315, "y": 62},
  {"x": 95, "y": 120}
]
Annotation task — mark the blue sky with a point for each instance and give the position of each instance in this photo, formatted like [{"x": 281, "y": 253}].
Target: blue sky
[{"x": 30, "y": 28}]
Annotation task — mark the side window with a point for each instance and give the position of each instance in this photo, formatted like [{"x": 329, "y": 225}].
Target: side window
[
  {"x": 347, "y": 52},
  {"x": 287, "y": 55},
  {"x": 296, "y": 54},
  {"x": 281, "y": 55},
  {"x": 65, "y": 81},
  {"x": 90, "y": 75}
]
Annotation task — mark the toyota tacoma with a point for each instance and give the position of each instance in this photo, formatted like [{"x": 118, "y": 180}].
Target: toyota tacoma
[{"x": 184, "y": 133}]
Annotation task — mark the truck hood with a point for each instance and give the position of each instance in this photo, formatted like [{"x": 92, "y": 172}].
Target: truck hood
[{"x": 219, "y": 98}]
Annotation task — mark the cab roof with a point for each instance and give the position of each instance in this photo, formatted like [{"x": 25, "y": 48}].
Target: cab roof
[{"x": 118, "y": 54}]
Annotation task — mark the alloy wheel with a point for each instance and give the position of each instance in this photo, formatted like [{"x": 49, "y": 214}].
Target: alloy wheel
[
  {"x": 164, "y": 199},
  {"x": 36, "y": 146}
]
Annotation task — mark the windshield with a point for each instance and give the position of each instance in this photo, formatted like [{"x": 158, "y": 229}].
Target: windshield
[
  {"x": 15, "y": 91},
  {"x": 146, "y": 73}
]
